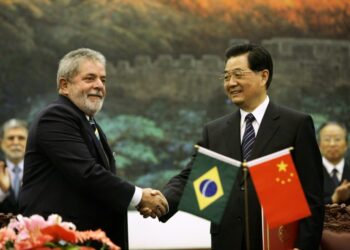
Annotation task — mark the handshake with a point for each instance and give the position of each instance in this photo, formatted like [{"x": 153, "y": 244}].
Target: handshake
[{"x": 153, "y": 203}]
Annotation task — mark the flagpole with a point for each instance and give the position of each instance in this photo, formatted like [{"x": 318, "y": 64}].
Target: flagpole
[{"x": 246, "y": 211}]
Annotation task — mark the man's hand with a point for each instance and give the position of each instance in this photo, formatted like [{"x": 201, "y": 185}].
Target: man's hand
[
  {"x": 153, "y": 203},
  {"x": 5, "y": 180},
  {"x": 342, "y": 192}
]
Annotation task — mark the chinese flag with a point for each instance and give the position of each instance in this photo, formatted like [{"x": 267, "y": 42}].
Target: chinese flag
[{"x": 278, "y": 187}]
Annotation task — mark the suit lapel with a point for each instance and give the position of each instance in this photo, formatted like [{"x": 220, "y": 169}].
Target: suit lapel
[
  {"x": 98, "y": 144},
  {"x": 268, "y": 127},
  {"x": 233, "y": 142},
  {"x": 11, "y": 197},
  {"x": 104, "y": 143}
]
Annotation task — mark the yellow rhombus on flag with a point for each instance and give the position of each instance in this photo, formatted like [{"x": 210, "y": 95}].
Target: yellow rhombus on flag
[{"x": 208, "y": 188}]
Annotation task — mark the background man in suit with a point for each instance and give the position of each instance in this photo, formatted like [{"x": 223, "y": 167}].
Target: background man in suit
[
  {"x": 333, "y": 143},
  {"x": 247, "y": 76},
  {"x": 13, "y": 137},
  {"x": 69, "y": 169}
]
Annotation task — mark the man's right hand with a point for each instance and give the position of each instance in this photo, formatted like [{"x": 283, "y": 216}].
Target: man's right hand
[
  {"x": 5, "y": 180},
  {"x": 153, "y": 203},
  {"x": 342, "y": 192}
]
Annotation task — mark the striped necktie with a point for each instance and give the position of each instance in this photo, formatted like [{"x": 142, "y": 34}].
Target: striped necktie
[
  {"x": 248, "y": 136},
  {"x": 16, "y": 180}
]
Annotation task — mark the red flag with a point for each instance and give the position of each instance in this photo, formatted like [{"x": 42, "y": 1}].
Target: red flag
[
  {"x": 280, "y": 238},
  {"x": 278, "y": 187}
]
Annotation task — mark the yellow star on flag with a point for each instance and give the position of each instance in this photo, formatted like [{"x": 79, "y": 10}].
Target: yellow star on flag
[{"x": 282, "y": 166}]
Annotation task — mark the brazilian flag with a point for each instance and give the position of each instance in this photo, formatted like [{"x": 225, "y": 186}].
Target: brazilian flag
[{"x": 209, "y": 185}]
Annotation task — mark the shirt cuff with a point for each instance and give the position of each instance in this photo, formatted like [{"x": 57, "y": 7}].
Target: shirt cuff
[{"x": 136, "y": 199}]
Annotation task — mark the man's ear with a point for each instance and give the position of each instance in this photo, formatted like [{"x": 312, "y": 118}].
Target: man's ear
[
  {"x": 63, "y": 87},
  {"x": 265, "y": 76}
]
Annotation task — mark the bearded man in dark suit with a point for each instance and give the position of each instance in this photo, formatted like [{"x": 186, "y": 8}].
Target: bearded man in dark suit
[
  {"x": 69, "y": 169},
  {"x": 247, "y": 77}
]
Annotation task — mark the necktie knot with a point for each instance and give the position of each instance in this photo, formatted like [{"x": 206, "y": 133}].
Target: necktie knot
[
  {"x": 92, "y": 122},
  {"x": 249, "y": 118},
  {"x": 16, "y": 169}
]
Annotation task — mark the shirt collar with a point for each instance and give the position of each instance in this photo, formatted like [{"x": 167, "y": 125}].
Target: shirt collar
[
  {"x": 258, "y": 111},
  {"x": 330, "y": 166},
  {"x": 11, "y": 165}
]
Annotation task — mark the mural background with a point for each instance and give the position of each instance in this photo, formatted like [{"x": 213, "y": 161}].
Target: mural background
[{"x": 165, "y": 58}]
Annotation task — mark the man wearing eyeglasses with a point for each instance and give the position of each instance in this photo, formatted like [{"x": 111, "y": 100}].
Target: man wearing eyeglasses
[
  {"x": 259, "y": 128},
  {"x": 13, "y": 138},
  {"x": 333, "y": 143}
]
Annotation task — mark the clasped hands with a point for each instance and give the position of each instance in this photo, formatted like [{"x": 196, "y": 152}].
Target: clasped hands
[
  {"x": 153, "y": 203},
  {"x": 342, "y": 192}
]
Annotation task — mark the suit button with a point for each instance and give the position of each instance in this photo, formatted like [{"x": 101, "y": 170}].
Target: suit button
[
  {"x": 239, "y": 218},
  {"x": 242, "y": 188}
]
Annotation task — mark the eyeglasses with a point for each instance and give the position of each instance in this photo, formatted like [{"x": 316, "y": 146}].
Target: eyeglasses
[
  {"x": 332, "y": 139},
  {"x": 236, "y": 74}
]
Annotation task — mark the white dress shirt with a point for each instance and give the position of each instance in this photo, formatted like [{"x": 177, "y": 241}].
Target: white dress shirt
[
  {"x": 258, "y": 114},
  {"x": 330, "y": 166}
]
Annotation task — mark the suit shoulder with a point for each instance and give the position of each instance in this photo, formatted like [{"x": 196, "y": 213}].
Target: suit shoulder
[
  {"x": 292, "y": 113},
  {"x": 221, "y": 120},
  {"x": 57, "y": 108},
  {"x": 58, "y": 112}
]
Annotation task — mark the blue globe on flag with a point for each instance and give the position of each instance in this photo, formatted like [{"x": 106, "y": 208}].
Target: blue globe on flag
[{"x": 208, "y": 188}]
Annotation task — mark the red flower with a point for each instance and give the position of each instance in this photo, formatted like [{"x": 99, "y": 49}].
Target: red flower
[
  {"x": 97, "y": 235},
  {"x": 33, "y": 243},
  {"x": 60, "y": 233}
]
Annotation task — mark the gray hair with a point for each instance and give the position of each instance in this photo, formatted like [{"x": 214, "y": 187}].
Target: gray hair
[
  {"x": 12, "y": 123},
  {"x": 339, "y": 124},
  {"x": 69, "y": 64}
]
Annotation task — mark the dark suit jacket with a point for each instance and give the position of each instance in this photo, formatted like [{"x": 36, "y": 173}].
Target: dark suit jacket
[
  {"x": 280, "y": 128},
  {"x": 9, "y": 204},
  {"x": 328, "y": 184},
  {"x": 66, "y": 172}
]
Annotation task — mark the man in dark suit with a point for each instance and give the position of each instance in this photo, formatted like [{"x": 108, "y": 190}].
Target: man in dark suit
[
  {"x": 69, "y": 169},
  {"x": 13, "y": 137},
  {"x": 247, "y": 76},
  {"x": 333, "y": 143}
]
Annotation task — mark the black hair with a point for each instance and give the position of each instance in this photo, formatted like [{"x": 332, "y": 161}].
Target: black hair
[{"x": 258, "y": 57}]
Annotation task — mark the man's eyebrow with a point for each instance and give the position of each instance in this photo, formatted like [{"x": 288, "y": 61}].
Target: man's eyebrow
[{"x": 232, "y": 70}]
